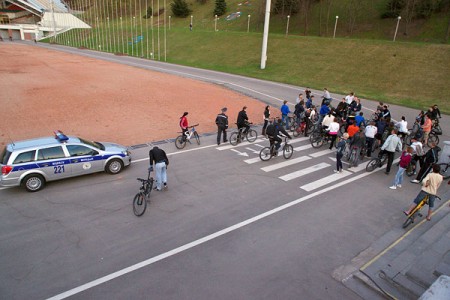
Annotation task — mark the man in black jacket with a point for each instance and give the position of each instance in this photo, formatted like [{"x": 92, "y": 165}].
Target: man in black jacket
[
  {"x": 222, "y": 125},
  {"x": 242, "y": 120},
  {"x": 431, "y": 157},
  {"x": 159, "y": 158},
  {"x": 273, "y": 131}
]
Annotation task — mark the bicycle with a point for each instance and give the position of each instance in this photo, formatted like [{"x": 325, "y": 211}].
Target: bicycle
[
  {"x": 412, "y": 167},
  {"x": 445, "y": 169},
  {"x": 140, "y": 199},
  {"x": 416, "y": 210},
  {"x": 267, "y": 153},
  {"x": 180, "y": 141},
  {"x": 318, "y": 138},
  {"x": 238, "y": 136},
  {"x": 376, "y": 162}
]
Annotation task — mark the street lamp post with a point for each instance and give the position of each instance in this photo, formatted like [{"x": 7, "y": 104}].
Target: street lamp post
[
  {"x": 335, "y": 26},
  {"x": 287, "y": 25},
  {"x": 396, "y": 28},
  {"x": 169, "y": 21},
  {"x": 265, "y": 35},
  {"x": 248, "y": 24}
]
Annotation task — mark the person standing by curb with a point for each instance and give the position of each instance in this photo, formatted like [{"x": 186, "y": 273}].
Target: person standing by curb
[
  {"x": 266, "y": 118},
  {"x": 392, "y": 144},
  {"x": 340, "y": 152},
  {"x": 159, "y": 158},
  {"x": 222, "y": 125}
]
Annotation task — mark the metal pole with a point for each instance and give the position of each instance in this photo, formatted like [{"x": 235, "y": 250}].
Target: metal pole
[
  {"x": 121, "y": 27},
  {"x": 153, "y": 36},
  {"x": 265, "y": 35},
  {"x": 396, "y": 28},
  {"x": 287, "y": 25},
  {"x": 248, "y": 24},
  {"x": 170, "y": 17},
  {"x": 215, "y": 23},
  {"x": 114, "y": 30},
  {"x": 146, "y": 24},
  {"x": 159, "y": 46},
  {"x": 142, "y": 34},
  {"x": 335, "y": 26},
  {"x": 131, "y": 29}
]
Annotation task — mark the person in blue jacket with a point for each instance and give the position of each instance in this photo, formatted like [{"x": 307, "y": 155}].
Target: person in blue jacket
[{"x": 284, "y": 112}]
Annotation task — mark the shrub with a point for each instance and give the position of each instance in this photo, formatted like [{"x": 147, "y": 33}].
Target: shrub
[{"x": 180, "y": 8}]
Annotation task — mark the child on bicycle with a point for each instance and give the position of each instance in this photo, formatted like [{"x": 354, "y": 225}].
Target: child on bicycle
[{"x": 430, "y": 185}]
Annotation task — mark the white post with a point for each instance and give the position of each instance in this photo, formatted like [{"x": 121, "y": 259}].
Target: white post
[
  {"x": 265, "y": 35},
  {"x": 54, "y": 22},
  {"x": 159, "y": 46},
  {"x": 396, "y": 28},
  {"x": 287, "y": 25},
  {"x": 192, "y": 21},
  {"x": 170, "y": 17},
  {"x": 146, "y": 24},
  {"x": 248, "y": 24},
  {"x": 215, "y": 23},
  {"x": 335, "y": 26}
]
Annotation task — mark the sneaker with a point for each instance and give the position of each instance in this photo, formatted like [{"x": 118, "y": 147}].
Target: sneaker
[
  {"x": 387, "y": 173},
  {"x": 336, "y": 171},
  {"x": 399, "y": 185},
  {"x": 226, "y": 141},
  {"x": 393, "y": 187},
  {"x": 165, "y": 185},
  {"x": 156, "y": 189},
  {"x": 415, "y": 181}
]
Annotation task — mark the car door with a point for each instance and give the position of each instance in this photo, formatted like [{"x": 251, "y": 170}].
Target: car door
[
  {"x": 53, "y": 162},
  {"x": 84, "y": 159}
]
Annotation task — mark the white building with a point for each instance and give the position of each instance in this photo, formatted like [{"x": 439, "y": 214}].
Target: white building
[{"x": 36, "y": 19}]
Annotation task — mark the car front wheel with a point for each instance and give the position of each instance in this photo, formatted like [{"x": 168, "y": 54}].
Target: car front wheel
[{"x": 114, "y": 166}]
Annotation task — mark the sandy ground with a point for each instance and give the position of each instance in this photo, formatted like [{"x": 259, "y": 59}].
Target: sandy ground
[{"x": 43, "y": 90}]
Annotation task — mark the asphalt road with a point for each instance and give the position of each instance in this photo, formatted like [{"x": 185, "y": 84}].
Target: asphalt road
[{"x": 228, "y": 227}]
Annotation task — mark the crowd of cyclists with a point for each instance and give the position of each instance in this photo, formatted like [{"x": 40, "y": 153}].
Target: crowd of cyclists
[{"x": 349, "y": 130}]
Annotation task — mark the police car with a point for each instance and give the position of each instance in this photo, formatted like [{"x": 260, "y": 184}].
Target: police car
[{"x": 32, "y": 163}]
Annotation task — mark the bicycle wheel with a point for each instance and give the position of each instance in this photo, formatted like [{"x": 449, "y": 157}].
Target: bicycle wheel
[
  {"x": 265, "y": 154},
  {"x": 252, "y": 135},
  {"x": 372, "y": 164},
  {"x": 197, "y": 138},
  {"x": 445, "y": 170},
  {"x": 288, "y": 150},
  {"x": 179, "y": 143},
  {"x": 408, "y": 221},
  {"x": 234, "y": 139},
  {"x": 316, "y": 140},
  {"x": 139, "y": 204},
  {"x": 432, "y": 139},
  {"x": 310, "y": 127},
  {"x": 353, "y": 157}
]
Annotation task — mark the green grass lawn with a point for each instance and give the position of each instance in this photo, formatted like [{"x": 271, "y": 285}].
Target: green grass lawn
[{"x": 411, "y": 74}]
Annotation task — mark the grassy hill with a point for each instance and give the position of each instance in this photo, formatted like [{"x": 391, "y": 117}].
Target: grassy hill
[{"x": 410, "y": 74}]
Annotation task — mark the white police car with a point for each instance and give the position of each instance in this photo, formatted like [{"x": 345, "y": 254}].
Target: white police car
[{"x": 34, "y": 162}]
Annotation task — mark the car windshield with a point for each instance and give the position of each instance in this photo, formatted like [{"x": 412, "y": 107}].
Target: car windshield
[{"x": 93, "y": 144}]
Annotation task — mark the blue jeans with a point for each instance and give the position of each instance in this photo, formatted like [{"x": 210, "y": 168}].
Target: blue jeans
[
  {"x": 161, "y": 174},
  {"x": 399, "y": 176}
]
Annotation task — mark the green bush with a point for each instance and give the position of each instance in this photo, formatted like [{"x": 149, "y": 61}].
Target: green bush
[
  {"x": 221, "y": 7},
  {"x": 180, "y": 8}
]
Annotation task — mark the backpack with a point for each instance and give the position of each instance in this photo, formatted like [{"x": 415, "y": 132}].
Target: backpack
[{"x": 270, "y": 130}]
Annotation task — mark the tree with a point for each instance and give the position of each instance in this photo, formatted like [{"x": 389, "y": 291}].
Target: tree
[
  {"x": 286, "y": 7},
  {"x": 149, "y": 13},
  {"x": 221, "y": 7},
  {"x": 180, "y": 8}
]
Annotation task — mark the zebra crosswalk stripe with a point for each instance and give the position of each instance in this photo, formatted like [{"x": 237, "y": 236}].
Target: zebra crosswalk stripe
[
  {"x": 304, "y": 172},
  {"x": 324, "y": 181},
  {"x": 285, "y": 163}
]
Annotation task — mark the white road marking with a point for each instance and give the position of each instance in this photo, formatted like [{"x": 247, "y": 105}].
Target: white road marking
[
  {"x": 239, "y": 153},
  {"x": 238, "y": 145},
  {"x": 203, "y": 240},
  {"x": 321, "y": 153},
  {"x": 304, "y": 172},
  {"x": 252, "y": 160},
  {"x": 324, "y": 181},
  {"x": 301, "y": 148},
  {"x": 285, "y": 163}
]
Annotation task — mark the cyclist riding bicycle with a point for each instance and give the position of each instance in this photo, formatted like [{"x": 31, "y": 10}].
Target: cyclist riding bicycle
[
  {"x": 184, "y": 124},
  {"x": 273, "y": 132},
  {"x": 430, "y": 186},
  {"x": 242, "y": 120}
]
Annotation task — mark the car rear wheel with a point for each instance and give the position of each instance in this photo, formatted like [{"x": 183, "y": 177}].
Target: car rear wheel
[
  {"x": 34, "y": 182},
  {"x": 114, "y": 166}
]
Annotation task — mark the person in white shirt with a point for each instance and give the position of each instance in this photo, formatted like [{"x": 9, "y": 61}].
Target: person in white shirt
[
  {"x": 402, "y": 127},
  {"x": 370, "y": 132},
  {"x": 327, "y": 120},
  {"x": 418, "y": 152},
  {"x": 326, "y": 96},
  {"x": 333, "y": 129},
  {"x": 349, "y": 98}
]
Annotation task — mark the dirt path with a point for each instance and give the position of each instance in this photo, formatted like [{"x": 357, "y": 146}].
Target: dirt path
[{"x": 43, "y": 90}]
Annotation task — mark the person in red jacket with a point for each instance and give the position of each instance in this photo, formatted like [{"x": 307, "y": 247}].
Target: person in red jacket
[
  {"x": 405, "y": 159},
  {"x": 184, "y": 124}
]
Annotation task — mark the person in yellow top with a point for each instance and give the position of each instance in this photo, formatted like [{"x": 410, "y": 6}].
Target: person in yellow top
[{"x": 430, "y": 185}]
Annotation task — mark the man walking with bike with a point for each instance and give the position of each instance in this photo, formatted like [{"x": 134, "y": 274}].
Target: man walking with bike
[
  {"x": 222, "y": 125},
  {"x": 392, "y": 144},
  {"x": 159, "y": 158},
  {"x": 431, "y": 157},
  {"x": 430, "y": 185}
]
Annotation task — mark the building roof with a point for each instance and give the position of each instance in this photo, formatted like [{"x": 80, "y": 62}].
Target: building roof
[{"x": 41, "y": 6}]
